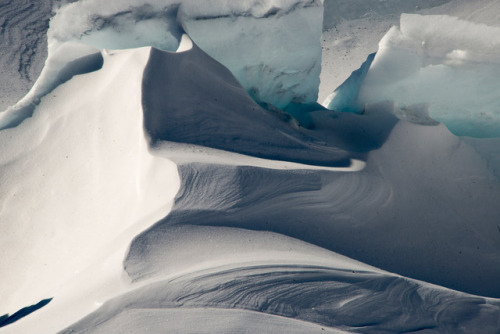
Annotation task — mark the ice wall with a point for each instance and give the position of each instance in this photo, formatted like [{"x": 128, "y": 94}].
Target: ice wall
[
  {"x": 275, "y": 52},
  {"x": 448, "y": 63},
  {"x": 271, "y": 46}
]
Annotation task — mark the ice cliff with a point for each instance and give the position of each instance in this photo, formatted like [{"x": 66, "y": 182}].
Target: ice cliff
[
  {"x": 446, "y": 63},
  {"x": 282, "y": 67}
]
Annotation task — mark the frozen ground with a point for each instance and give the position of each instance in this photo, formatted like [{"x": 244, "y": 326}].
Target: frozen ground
[{"x": 144, "y": 190}]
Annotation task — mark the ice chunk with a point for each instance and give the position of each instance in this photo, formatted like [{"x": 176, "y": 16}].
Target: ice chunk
[
  {"x": 449, "y": 63},
  {"x": 345, "y": 97},
  {"x": 271, "y": 46},
  {"x": 275, "y": 52}
]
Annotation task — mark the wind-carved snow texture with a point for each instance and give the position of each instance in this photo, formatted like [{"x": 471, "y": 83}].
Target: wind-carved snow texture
[
  {"x": 242, "y": 237},
  {"x": 270, "y": 219}
]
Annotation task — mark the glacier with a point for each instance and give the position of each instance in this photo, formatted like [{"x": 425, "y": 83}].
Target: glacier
[{"x": 145, "y": 186}]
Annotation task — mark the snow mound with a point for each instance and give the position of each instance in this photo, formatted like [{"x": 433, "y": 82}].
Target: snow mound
[
  {"x": 144, "y": 190},
  {"x": 448, "y": 63},
  {"x": 60, "y": 172},
  {"x": 299, "y": 298},
  {"x": 282, "y": 68}
]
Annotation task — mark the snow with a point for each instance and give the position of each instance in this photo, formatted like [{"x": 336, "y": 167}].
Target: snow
[
  {"x": 144, "y": 190},
  {"x": 21, "y": 63},
  {"x": 60, "y": 172}
]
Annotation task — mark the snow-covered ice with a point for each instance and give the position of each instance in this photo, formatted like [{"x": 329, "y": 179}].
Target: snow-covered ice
[
  {"x": 450, "y": 64},
  {"x": 149, "y": 183},
  {"x": 282, "y": 68}
]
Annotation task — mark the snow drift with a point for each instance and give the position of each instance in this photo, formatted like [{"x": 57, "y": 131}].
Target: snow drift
[
  {"x": 60, "y": 173},
  {"x": 144, "y": 190}
]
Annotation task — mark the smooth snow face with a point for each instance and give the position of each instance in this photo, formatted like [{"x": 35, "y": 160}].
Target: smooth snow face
[
  {"x": 78, "y": 183},
  {"x": 450, "y": 64},
  {"x": 282, "y": 67},
  {"x": 235, "y": 241}
]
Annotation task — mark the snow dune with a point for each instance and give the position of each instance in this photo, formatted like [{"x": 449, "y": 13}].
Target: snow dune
[
  {"x": 78, "y": 182},
  {"x": 232, "y": 238},
  {"x": 144, "y": 190}
]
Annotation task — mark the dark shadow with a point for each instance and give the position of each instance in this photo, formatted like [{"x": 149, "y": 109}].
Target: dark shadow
[
  {"x": 25, "y": 311},
  {"x": 188, "y": 97}
]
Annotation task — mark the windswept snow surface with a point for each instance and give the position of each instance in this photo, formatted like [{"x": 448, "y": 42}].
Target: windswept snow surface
[
  {"x": 145, "y": 191},
  {"x": 78, "y": 183}
]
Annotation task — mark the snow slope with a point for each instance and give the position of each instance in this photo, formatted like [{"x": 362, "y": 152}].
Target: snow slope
[
  {"x": 61, "y": 170},
  {"x": 144, "y": 190}
]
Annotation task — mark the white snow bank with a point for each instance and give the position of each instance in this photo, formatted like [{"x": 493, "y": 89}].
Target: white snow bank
[
  {"x": 448, "y": 63},
  {"x": 220, "y": 321},
  {"x": 77, "y": 183},
  {"x": 271, "y": 46}
]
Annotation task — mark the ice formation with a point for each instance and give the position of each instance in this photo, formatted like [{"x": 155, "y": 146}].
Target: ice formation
[
  {"x": 145, "y": 190},
  {"x": 280, "y": 68},
  {"x": 445, "y": 62}
]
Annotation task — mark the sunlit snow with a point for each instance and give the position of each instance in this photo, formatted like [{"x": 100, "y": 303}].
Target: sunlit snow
[{"x": 169, "y": 170}]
